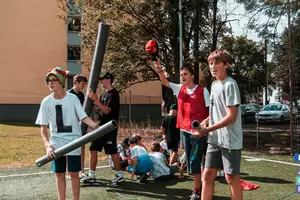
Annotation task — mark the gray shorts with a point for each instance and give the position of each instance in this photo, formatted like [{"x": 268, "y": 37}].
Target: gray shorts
[{"x": 220, "y": 158}]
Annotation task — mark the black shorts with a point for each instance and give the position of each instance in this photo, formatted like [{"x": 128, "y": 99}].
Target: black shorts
[
  {"x": 173, "y": 145},
  {"x": 108, "y": 141}
]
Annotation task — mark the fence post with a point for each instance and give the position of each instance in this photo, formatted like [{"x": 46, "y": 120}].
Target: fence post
[{"x": 257, "y": 121}]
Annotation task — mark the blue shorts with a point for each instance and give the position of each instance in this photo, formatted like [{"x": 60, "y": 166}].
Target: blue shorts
[
  {"x": 59, "y": 165},
  {"x": 143, "y": 166}
]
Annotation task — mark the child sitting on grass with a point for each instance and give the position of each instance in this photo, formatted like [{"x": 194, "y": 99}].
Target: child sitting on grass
[
  {"x": 140, "y": 162},
  {"x": 161, "y": 169}
]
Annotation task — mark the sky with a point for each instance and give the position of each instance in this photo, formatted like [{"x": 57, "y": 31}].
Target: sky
[{"x": 240, "y": 20}]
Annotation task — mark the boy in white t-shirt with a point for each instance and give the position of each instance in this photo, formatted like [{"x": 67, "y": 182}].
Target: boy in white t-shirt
[
  {"x": 161, "y": 169},
  {"x": 62, "y": 111}
]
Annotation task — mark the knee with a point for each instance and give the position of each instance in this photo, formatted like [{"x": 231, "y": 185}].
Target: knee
[
  {"x": 209, "y": 175},
  {"x": 231, "y": 179},
  {"x": 60, "y": 175},
  {"x": 74, "y": 175}
]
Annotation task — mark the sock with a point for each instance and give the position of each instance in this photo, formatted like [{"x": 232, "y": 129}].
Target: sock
[
  {"x": 197, "y": 191},
  {"x": 91, "y": 174},
  {"x": 119, "y": 173}
]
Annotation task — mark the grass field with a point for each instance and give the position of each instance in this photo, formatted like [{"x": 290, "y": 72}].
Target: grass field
[{"x": 20, "y": 146}]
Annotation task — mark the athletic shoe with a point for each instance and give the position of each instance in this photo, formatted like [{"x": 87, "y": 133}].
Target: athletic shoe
[
  {"x": 87, "y": 178},
  {"x": 144, "y": 178},
  {"x": 118, "y": 180},
  {"x": 194, "y": 196}
]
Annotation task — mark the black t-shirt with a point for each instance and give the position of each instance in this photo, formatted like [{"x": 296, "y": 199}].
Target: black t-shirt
[
  {"x": 80, "y": 95},
  {"x": 169, "y": 124},
  {"x": 110, "y": 99}
]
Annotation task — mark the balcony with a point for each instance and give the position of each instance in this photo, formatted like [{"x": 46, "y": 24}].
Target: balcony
[
  {"x": 73, "y": 38},
  {"x": 73, "y": 67}
]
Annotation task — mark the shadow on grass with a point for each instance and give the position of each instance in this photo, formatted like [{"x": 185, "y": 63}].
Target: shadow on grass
[
  {"x": 221, "y": 198},
  {"x": 152, "y": 189},
  {"x": 266, "y": 179}
]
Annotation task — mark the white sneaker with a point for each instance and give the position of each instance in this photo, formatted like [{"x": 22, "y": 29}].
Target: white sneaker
[{"x": 220, "y": 174}]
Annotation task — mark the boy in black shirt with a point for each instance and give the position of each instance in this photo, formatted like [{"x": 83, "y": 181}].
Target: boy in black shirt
[
  {"x": 171, "y": 133},
  {"x": 79, "y": 83},
  {"x": 109, "y": 106}
]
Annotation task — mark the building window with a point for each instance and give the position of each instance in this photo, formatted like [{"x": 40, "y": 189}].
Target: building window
[
  {"x": 70, "y": 81},
  {"x": 73, "y": 53},
  {"x": 74, "y": 24}
]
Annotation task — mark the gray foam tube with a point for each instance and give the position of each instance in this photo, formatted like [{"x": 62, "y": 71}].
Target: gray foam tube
[
  {"x": 195, "y": 124},
  {"x": 99, "y": 132},
  {"x": 99, "y": 52}
]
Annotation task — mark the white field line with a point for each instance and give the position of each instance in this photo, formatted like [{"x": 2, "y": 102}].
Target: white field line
[
  {"x": 105, "y": 166},
  {"x": 39, "y": 173},
  {"x": 274, "y": 161}
]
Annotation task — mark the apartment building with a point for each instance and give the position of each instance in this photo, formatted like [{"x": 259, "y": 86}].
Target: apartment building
[{"x": 32, "y": 40}]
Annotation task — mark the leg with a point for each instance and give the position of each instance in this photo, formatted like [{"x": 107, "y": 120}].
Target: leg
[
  {"x": 93, "y": 160},
  {"x": 59, "y": 168},
  {"x": 197, "y": 181},
  {"x": 116, "y": 160},
  {"x": 213, "y": 162},
  {"x": 173, "y": 157},
  {"x": 74, "y": 166},
  {"x": 82, "y": 159},
  {"x": 174, "y": 149},
  {"x": 209, "y": 176},
  {"x": 96, "y": 146},
  {"x": 232, "y": 163},
  {"x": 195, "y": 162},
  {"x": 234, "y": 186},
  {"x": 75, "y": 185},
  {"x": 61, "y": 185},
  {"x": 110, "y": 148}
]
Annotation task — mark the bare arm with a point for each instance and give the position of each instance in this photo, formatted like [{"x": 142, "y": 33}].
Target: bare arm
[
  {"x": 230, "y": 117},
  {"x": 49, "y": 149},
  {"x": 162, "y": 77},
  {"x": 163, "y": 130},
  {"x": 103, "y": 108},
  {"x": 88, "y": 121},
  {"x": 44, "y": 134}
]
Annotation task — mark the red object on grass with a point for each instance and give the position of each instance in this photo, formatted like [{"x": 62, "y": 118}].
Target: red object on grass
[{"x": 248, "y": 186}]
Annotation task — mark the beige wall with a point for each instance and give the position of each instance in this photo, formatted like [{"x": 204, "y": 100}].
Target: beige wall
[
  {"x": 32, "y": 40},
  {"x": 143, "y": 93}
]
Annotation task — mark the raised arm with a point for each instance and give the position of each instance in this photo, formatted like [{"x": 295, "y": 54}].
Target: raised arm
[{"x": 162, "y": 77}]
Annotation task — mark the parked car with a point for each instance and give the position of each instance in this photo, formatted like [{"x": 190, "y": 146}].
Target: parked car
[
  {"x": 248, "y": 112},
  {"x": 278, "y": 113}
]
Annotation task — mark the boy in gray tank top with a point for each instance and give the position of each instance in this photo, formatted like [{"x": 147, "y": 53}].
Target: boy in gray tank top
[{"x": 224, "y": 129}]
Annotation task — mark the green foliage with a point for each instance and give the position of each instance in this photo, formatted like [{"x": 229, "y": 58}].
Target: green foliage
[
  {"x": 248, "y": 66},
  {"x": 134, "y": 22},
  {"x": 280, "y": 58}
]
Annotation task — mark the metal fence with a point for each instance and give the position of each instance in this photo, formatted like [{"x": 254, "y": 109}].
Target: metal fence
[{"x": 140, "y": 107}]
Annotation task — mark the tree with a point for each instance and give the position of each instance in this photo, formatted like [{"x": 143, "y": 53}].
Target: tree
[
  {"x": 133, "y": 22},
  {"x": 248, "y": 65},
  {"x": 280, "y": 59}
]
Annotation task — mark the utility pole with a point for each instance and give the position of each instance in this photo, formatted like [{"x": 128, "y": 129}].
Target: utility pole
[
  {"x": 180, "y": 36},
  {"x": 290, "y": 73},
  {"x": 266, "y": 71}
]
